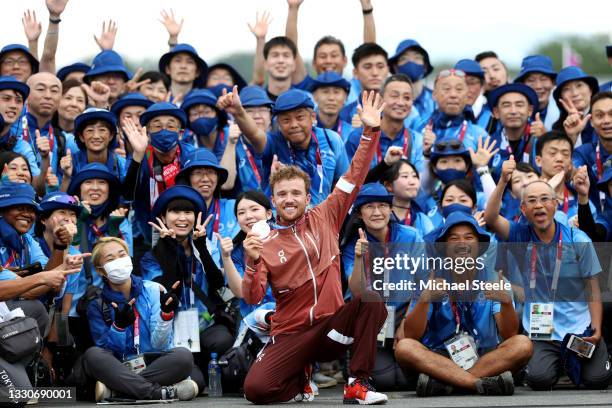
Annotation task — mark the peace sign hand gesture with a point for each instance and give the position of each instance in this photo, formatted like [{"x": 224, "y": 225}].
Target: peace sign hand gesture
[
  {"x": 162, "y": 229},
  {"x": 199, "y": 229},
  {"x": 575, "y": 121}
]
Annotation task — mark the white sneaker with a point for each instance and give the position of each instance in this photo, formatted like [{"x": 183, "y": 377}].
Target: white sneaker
[
  {"x": 102, "y": 392},
  {"x": 185, "y": 390},
  {"x": 360, "y": 391}
]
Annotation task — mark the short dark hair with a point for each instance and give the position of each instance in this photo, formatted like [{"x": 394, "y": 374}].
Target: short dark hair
[
  {"x": 367, "y": 50},
  {"x": 280, "y": 41},
  {"x": 599, "y": 96},
  {"x": 526, "y": 168},
  {"x": 485, "y": 54},
  {"x": 329, "y": 40},
  {"x": 463, "y": 185},
  {"x": 180, "y": 204},
  {"x": 395, "y": 78},
  {"x": 392, "y": 173},
  {"x": 551, "y": 137},
  {"x": 156, "y": 76}
]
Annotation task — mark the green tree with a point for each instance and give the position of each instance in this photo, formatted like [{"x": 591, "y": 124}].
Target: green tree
[{"x": 592, "y": 49}]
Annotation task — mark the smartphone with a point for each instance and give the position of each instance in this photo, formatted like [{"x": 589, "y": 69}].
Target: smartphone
[
  {"x": 581, "y": 347},
  {"x": 28, "y": 270}
]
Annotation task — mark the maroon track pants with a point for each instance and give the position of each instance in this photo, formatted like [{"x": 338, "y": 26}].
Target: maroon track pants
[{"x": 278, "y": 373}]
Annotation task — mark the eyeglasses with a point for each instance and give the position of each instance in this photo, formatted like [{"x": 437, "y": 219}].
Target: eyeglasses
[
  {"x": 262, "y": 110},
  {"x": 544, "y": 200},
  {"x": 9, "y": 62},
  {"x": 153, "y": 128},
  {"x": 450, "y": 145},
  {"x": 451, "y": 72}
]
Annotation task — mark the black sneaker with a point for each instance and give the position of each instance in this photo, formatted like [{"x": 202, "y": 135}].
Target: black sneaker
[
  {"x": 428, "y": 387},
  {"x": 502, "y": 384}
]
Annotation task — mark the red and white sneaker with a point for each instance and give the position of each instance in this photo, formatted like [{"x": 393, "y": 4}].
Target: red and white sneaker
[
  {"x": 360, "y": 391},
  {"x": 310, "y": 388}
]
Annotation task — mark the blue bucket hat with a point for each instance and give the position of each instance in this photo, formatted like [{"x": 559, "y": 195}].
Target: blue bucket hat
[
  {"x": 605, "y": 179},
  {"x": 165, "y": 59},
  {"x": 458, "y": 218},
  {"x": 521, "y": 88},
  {"x": 406, "y": 45},
  {"x": 59, "y": 200},
  {"x": 449, "y": 146},
  {"x": 568, "y": 74},
  {"x": 130, "y": 99},
  {"x": 291, "y": 100},
  {"x": 163, "y": 108},
  {"x": 198, "y": 97},
  {"x": 106, "y": 62},
  {"x": 201, "y": 157},
  {"x": 178, "y": 192},
  {"x": 92, "y": 114},
  {"x": 330, "y": 78},
  {"x": 18, "y": 47},
  {"x": 69, "y": 69},
  {"x": 239, "y": 81},
  {"x": 470, "y": 67},
  {"x": 255, "y": 96},
  {"x": 10, "y": 82},
  {"x": 536, "y": 63},
  {"x": 12, "y": 194},
  {"x": 94, "y": 171},
  {"x": 372, "y": 193}
]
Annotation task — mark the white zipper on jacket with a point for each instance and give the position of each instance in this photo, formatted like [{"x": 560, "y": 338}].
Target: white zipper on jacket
[{"x": 314, "y": 282}]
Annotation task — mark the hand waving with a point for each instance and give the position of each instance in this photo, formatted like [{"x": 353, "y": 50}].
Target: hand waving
[
  {"x": 106, "y": 41},
  {"x": 371, "y": 108},
  {"x": 260, "y": 28},
  {"x": 31, "y": 26},
  {"x": 170, "y": 22},
  {"x": 485, "y": 152}
]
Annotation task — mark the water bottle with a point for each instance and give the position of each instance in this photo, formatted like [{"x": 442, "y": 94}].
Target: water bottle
[{"x": 214, "y": 377}]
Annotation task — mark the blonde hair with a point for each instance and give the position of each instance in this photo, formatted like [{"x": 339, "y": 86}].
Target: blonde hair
[
  {"x": 96, "y": 254},
  {"x": 288, "y": 173}
]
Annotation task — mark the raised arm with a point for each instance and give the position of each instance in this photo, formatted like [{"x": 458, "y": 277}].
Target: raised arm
[
  {"x": 32, "y": 29},
  {"x": 230, "y": 102},
  {"x": 228, "y": 161},
  {"x": 47, "y": 60},
  {"x": 291, "y": 32},
  {"x": 260, "y": 30},
  {"x": 369, "y": 28},
  {"x": 172, "y": 26},
  {"x": 106, "y": 41},
  {"x": 494, "y": 220}
]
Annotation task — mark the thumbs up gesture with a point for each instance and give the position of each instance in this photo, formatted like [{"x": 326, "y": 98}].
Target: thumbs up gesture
[
  {"x": 43, "y": 145},
  {"x": 276, "y": 165},
  {"x": 508, "y": 168},
  {"x": 66, "y": 164},
  {"x": 361, "y": 246},
  {"x": 537, "y": 128},
  {"x": 51, "y": 179}
]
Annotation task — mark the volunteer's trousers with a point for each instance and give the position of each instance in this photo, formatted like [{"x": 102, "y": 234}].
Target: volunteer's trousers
[
  {"x": 278, "y": 374},
  {"x": 13, "y": 376},
  {"x": 544, "y": 368},
  {"x": 163, "y": 369}
]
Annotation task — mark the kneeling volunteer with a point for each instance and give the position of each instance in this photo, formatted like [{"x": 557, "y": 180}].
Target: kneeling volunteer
[
  {"x": 131, "y": 326},
  {"x": 437, "y": 328}
]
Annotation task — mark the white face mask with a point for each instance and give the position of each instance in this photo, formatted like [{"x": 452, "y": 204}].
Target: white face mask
[{"x": 119, "y": 270}]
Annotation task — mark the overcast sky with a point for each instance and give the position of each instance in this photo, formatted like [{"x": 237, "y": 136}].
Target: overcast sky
[{"x": 448, "y": 29}]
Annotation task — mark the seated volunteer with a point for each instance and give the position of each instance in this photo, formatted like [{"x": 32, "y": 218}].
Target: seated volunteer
[
  {"x": 413, "y": 60},
  {"x": 434, "y": 328},
  {"x": 240, "y": 159},
  {"x": 128, "y": 106},
  {"x": 330, "y": 91},
  {"x": 154, "y": 165},
  {"x": 452, "y": 117},
  {"x": 319, "y": 152},
  {"x": 312, "y": 326},
  {"x": 207, "y": 125},
  {"x": 95, "y": 132},
  {"x": 537, "y": 72},
  {"x": 203, "y": 172},
  {"x": 573, "y": 95},
  {"x": 181, "y": 255},
  {"x": 12, "y": 96},
  {"x": 514, "y": 105},
  {"x": 377, "y": 225},
  {"x": 250, "y": 207},
  {"x": 131, "y": 325},
  {"x": 598, "y": 228},
  {"x": 568, "y": 253},
  {"x": 597, "y": 156},
  {"x": 474, "y": 76},
  {"x": 398, "y": 97},
  {"x": 186, "y": 71},
  {"x": 15, "y": 168},
  {"x": 73, "y": 72}
]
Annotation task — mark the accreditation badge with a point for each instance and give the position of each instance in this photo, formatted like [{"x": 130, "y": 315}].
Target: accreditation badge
[{"x": 541, "y": 321}]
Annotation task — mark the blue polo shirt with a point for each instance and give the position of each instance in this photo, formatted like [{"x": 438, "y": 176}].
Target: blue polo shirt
[
  {"x": 586, "y": 155},
  {"x": 445, "y": 126},
  {"x": 578, "y": 263},
  {"x": 525, "y": 152},
  {"x": 191, "y": 138}
]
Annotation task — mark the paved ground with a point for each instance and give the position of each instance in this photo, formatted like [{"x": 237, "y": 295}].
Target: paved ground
[{"x": 328, "y": 398}]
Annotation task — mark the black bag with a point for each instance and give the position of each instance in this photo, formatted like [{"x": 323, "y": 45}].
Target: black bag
[
  {"x": 237, "y": 361},
  {"x": 19, "y": 338}
]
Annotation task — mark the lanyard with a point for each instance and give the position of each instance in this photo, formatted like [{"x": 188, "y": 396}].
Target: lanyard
[
  {"x": 96, "y": 231},
  {"x": 598, "y": 161},
  {"x": 405, "y": 147},
  {"x": 565, "y": 200},
  {"x": 339, "y": 129},
  {"x": 462, "y": 131},
  {"x": 251, "y": 160},
  {"x": 457, "y": 316},
  {"x": 534, "y": 257},
  {"x": 10, "y": 260},
  {"x": 408, "y": 219},
  {"x": 164, "y": 180},
  {"x": 317, "y": 158},
  {"x": 25, "y": 129},
  {"x": 137, "y": 330},
  {"x": 217, "y": 211},
  {"x": 525, "y": 139}
]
